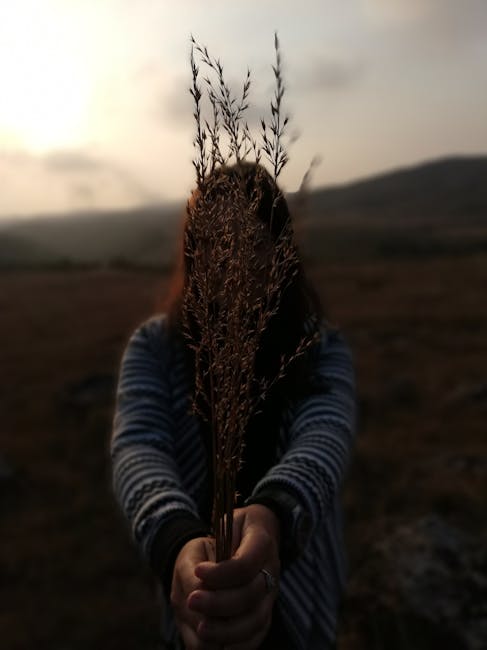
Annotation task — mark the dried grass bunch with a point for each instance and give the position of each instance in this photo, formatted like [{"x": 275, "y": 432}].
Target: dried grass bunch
[{"x": 238, "y": 263}]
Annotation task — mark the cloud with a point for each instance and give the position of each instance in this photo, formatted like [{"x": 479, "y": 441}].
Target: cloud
[
  {"x": 446, "y": 21},
  {"x": 177, "y": 107},
  {"x": 72, "y": 161},
  {"x": 55, "y": 161},
  {"x": 326, "y": 73},
  {"x": 453, "y": 22},
  {"x": 76, "y": 162},
  {"x": 16, "y": 157},
  {"x": 84, "y": 194},
  {"x": 84, "y": 171},
  {"x": 398, "y": 11},
  {"x": 135, "y": 185}
]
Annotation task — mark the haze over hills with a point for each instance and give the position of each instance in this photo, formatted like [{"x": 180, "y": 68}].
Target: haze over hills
[
  {"x": 450, "y": 187},
  {"x": 140, "y": 236},
  {"x": 434, "y": 207}
]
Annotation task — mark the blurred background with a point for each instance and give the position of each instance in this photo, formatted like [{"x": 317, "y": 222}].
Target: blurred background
[{"x": 389, "y": 98}]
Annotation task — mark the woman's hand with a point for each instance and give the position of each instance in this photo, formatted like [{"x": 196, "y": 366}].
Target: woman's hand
[
  {"x": 233, "y": 602},
  {"x": 185, "y": 582}
]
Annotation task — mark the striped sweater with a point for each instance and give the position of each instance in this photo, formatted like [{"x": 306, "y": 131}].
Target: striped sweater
[{"x": 160, "y": 471}]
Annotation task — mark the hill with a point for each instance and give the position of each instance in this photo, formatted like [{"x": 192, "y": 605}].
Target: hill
[
  {"x": 426, "y": 209},
  {"x": 446, "y": 188},
  {"x": 136, "y": 236}
]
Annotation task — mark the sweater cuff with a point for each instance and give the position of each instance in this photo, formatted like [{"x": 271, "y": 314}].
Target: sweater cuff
[
  {"x": 283, "y": 502},
  {"x": 169, "y": 540}
]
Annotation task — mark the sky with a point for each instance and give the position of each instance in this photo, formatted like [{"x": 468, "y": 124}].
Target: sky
[{"x": 95, "y": 110}]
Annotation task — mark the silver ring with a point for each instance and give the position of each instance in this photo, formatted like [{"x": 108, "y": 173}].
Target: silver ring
[{"x": 270, "y": 581}]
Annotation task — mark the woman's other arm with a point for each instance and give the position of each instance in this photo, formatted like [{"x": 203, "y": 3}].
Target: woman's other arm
[
  {"x": 321, "y": 437},
  {"x": 146, "y": 481}
]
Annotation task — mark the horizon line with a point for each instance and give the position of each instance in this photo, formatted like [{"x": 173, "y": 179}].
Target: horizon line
[{"x": 173, "y": 203}]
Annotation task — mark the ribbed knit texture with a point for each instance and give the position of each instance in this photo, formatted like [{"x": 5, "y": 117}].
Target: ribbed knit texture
[{"x": 160, "y": 469}]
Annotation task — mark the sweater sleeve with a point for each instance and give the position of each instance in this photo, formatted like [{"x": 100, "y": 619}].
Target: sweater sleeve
[
  {"x": 321, "y": 436},
  {"x": 146, "y": 481}
]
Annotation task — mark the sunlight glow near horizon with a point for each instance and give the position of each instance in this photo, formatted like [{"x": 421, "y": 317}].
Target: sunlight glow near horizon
[
  {"x": 46, "y": 84},
  {"x": 94, "y": 109}
]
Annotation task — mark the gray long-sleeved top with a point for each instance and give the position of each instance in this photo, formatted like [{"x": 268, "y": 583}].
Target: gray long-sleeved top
[{"x": 160, "y": 471}]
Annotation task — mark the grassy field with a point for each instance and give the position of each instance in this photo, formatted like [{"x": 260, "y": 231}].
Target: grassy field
[{"x": 71, "y": 579}]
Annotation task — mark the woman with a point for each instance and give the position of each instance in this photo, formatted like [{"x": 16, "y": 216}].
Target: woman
[{"x": 282, "y": 586}]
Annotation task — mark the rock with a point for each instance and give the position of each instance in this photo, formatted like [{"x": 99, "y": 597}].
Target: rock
[
  {"x": 467, "y": 393},
  {"x": 454, "y": 464},
  {"x": 424, "y": 586}
]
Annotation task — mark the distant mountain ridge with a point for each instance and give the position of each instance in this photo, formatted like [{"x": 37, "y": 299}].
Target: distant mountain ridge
[
  {"x": 138, "y": 236},
  {"x": 440, "y": 188},
  {"x": 450, "y": 193}
]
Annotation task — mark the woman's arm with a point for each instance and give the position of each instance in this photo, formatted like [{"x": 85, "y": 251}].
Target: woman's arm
[
  {"x": 146, "y": 481},
  {"x": 304, "y": 482},
  {"x": 322, "y": 431}
]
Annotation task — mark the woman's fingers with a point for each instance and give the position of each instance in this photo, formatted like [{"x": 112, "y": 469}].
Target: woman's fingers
[
  {"x": 185, "y": 582},
  {"x": 228, "y": 602},
  {"x": 249, "y": 558},
  {"x": 253, "y": 643},
  {"x": 192, "y": 641},
  {"x": 256, "y": 540},
  {"x": 234, "y": 598},
  {"x": 238, "y": 629}
]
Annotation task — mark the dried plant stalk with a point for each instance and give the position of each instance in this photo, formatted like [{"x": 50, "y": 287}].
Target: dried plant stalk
[{"x": 235, "y": 278}]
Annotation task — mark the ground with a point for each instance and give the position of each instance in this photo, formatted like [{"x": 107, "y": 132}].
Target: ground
[{"x": 71, "y": 578}]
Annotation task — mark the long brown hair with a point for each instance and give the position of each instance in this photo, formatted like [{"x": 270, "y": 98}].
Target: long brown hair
[
  {"x": 299, "y": 313},
  {"x": 301, "y": 300}
]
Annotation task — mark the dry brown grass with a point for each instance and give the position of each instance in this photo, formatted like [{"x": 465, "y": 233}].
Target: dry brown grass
[
  {"x": 236, "y": 275},
  {"x": 70, "y": 577},
  {"x": 236, "y": 270}
]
